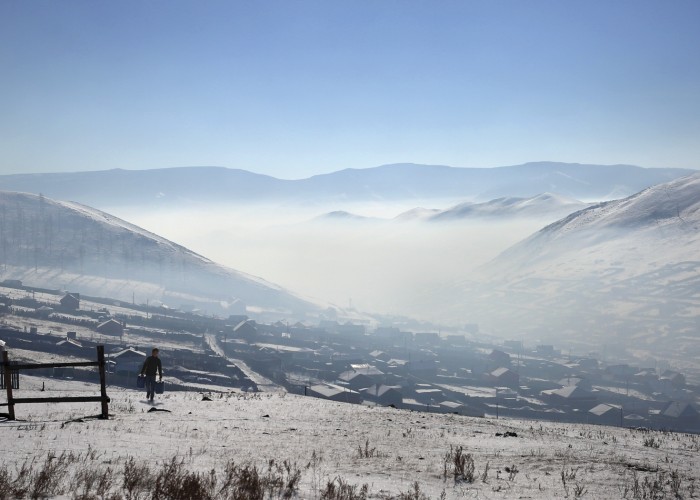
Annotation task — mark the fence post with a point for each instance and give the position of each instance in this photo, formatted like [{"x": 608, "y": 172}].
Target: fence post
[
  {"x": 103, "y": 388},
  {"x": 8, "y": 385}
]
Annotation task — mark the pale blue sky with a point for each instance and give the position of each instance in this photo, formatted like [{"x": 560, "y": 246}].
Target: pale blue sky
[{"x": 292, "y": 88}]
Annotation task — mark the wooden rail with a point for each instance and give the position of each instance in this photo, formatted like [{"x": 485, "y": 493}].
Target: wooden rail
[{"x": 102, "y": 398}]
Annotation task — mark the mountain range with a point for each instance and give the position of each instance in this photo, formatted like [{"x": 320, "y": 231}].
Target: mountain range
[{"x": 418, "y": 183}]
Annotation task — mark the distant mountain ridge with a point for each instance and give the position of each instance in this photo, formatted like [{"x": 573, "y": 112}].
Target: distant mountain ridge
[
  {"x": 202, "y": 185},
  {"x": 59, "y": 244},
  {"x": 546, "y": 206}
]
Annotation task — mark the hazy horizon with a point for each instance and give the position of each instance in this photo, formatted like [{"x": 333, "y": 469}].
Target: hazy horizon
[{"x": 339, "y": 262}]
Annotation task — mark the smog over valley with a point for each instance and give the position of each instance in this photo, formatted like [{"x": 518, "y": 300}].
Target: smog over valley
[{"x": 349, "y": 250}]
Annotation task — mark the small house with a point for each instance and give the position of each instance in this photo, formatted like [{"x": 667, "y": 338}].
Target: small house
[
  {"x": 334, "y": 392},
  {"x": 362, "y": 376},
  {"x": 128, "y": 361},
  {"x": 576, "y": 381},
  {"x": 679, "y": 416},
  {"x": 677, "y": 379},
  {"x": 499, "y": 358},
  {"x": 44, "y": 311},
  {"x": 460, "y": 409},
  {"x": 605, "y": 414},
  {"x": 69, "y": 346},
  {"x": 246, "y": 330},
  {"x": 384, "y": 394},
  {"x": 505, "y": 377},
  {"x": 571, "y": 396},
  {"x": 425, "y": 393},
  {"x": 70, "y": 301},
  {"x": 111, "y": 327},
  {"x": 380, "y": 356}
]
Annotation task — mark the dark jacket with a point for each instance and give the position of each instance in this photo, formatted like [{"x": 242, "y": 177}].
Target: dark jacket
[{"x": 151, "y": 365}]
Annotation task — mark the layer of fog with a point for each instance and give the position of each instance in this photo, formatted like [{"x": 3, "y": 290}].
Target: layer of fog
[{"x": 378, "y": 266}]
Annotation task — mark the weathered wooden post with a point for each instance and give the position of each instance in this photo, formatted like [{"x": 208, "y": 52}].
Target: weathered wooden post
[
  {"x": 8, "y": 385},
  {"x": 103, "y": 381}
]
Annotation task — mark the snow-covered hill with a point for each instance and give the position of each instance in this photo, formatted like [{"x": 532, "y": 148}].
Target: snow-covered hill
[
  {"x": 623, "y": 275},
  {"x": 545, "y": 205},
  {"x": 658, "y": 226},
  {"x": 398, "y": 454},
  {"x": 69, "y": 245}
]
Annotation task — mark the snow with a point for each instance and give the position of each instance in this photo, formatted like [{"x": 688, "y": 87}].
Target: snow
[
  {"x": 623, "y": 273},
  {"x": 411, "y": 446},
  {"x": 96, "y": 253}
]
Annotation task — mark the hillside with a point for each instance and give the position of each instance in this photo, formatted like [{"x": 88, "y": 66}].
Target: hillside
[
  {"x": 389, "y": 450},
  {"x": 68, "y": 245},
  {"x": 623, "y": 275},
  {"x": 191, "y": 186},
  {"x": 546, "y": 205},
  {"x": 651, "y": 229}
]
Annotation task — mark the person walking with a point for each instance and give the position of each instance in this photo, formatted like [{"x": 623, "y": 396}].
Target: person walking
[{"x": 149, "y": 369}]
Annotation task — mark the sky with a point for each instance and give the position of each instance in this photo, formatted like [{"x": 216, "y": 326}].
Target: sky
[{"x": 293, "y": 88}]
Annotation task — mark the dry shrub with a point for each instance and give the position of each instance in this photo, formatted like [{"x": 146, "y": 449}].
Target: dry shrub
[
  {"x": 459, "y": 465},
  {"x": 92, "y": 483},
  {"x": 50, "y": 478},
  {"x": 339, "y": 489},
  {"x": 173, "y": 482},
  {"x": 413, "y": 494},
  {"x": 136, "y": 479}
]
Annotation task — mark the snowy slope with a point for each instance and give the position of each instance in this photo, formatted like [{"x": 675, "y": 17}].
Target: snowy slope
[
  {"x": 322, "y": 438},
  {"x": 68, "y": 245},
  {"x": 658, "y": 225},
  {"x": 544, "y": 205},
  {"x": 622, "y": 275}
]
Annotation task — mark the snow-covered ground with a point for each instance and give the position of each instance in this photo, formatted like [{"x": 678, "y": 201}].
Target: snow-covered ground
[{"x": 388, "y": 449}]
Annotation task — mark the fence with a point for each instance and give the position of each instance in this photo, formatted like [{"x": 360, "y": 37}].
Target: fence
[
  {"x": 14, "y": 378},
  {"x": 14, "y": 368}
]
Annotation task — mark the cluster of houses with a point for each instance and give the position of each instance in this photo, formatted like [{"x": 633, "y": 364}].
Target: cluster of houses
[
  {"x": 187, "y": 368},
  {"x": 429, "y": 372},
  {"x": 423, "y": 371}
]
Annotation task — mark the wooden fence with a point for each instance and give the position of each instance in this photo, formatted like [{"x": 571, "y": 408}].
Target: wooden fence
[
  {"x": 14, "y": 368},
  {"x": 13, "y": 378}
]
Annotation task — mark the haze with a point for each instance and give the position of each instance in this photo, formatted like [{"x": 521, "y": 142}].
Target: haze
[{"x": 379, "y": 266}]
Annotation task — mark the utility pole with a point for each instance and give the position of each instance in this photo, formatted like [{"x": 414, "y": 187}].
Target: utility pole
[{"x": 496, "y": 403}]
